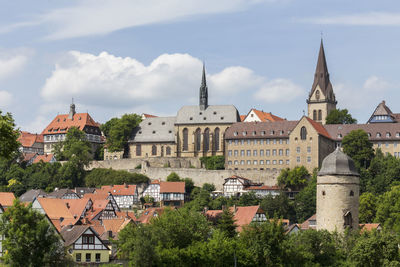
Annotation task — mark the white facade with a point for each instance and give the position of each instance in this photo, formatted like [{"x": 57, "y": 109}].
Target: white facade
[
  {"x": 252, "y": 116},
  {"x": 126, "y": 201},
  {"x": 235, "y": 186},
  {"x": 153, "y": 190},
  {"x": 89, "y": 241},
  {"x": 264, "y": 192}
]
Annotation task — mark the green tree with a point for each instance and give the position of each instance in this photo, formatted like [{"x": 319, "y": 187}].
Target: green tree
[
  {"x": 118, "y": 131},
  {"x": 75, "y": 147},
  {"x": 357, "y": 146},
  {"x": 173, "y": 177},
  {"x": 367, "y": 207},
  {"x": 340, "y": 116},
  {"x": 99, "y": 176},
  {"x": 388, "y": 210},
  {"x": 226, "y": 223},
  {"x": 208, "y": 187},
  {"x": 29, "y": 238},
  {"x": 305, "y": 201},
  {"x": 8, "y": 137},
  {"x": 278, "y": 206},
  {"x": 213, "y": 162},
  {"x": 293, "y": 178}
]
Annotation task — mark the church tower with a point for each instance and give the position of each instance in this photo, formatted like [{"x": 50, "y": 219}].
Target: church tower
[
  {"x": 203, "y": 91},
  {"x": 321, "y": 99},
  {"x": 338, "y": 189}
]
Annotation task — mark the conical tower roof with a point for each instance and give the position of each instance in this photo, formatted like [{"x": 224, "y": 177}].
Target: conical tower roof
[{"x": 338, "y": 163}]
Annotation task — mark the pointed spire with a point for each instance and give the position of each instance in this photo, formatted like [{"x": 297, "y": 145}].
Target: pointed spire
[
  {"x": 322, "y": 67},
  {"x": 203, "y": 90}
]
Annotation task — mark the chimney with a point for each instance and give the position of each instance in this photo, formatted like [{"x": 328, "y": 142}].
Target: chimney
[
  {"x": 67, "y": 205},
  {"x": 85, "y": 221}
]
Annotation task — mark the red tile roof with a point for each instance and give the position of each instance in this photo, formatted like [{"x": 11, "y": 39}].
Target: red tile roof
[
  {"x": 62, "y": 123},
  {"x": 242, "y": 117},
  {"x": 149, "y": 214},
  {"x": 28, "y": 139},
  {"x": 172, "y": 187},
  {"x": 6, "y": 199},
  {"x": 369, "y": 226},
  {"x": 148, "y": 116},
  {"x": 28, "y": 156},
  {"x": 76, "y": 206},
  {"x": 266, "y": 116},
  {"x": 44, "y": 158},
  {"x": 306, "y": 224},
  {"x": 155, "y": 182},
  {"x": 120, "y": 190},
  {"x": 244, "y": 215},
  {"x": 57, "y": 211},
  {"x": 319, "y": 128}
]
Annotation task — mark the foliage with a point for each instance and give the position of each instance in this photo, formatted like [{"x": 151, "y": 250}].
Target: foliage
[
  {"x": 340, "y": 116},
  {"x": 189, "y": 184},
  {"x": 75, "y": 147},
  {"x": 8, "y": 137},
  {"x": 278, "y": 206},
  {"x": 306, "y": 200},
  {"x": 357, "y": 146},
  {"x": 388, "y": 210},
  {"x": 29, "y": 239},
  {"x": 208, "y": 187},
  {"x": 99, "y": 177},
  {"x": 248, "y": 199},
  {"x": 173, "y": 177},
  {"x": 367, "y": 208},
  {"x": 213, "y": 162},
  {"x": 293, "y": 178},
  {"x": 118, "y": 131},
  {"x": 99, "y": 153},
  {"x": 226, "y": 223}
]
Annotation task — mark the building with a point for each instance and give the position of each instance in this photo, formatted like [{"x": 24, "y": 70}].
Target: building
[
  {"x": 260, "y": 116},
  {"x": 125, "y": 195},
  {"x": 264, "y": 190},
  {"x": 63, "y": 193},
  {"x": 56, "y": 131},
  {"x": 32, "y": 194},
  {"x": 150, "y": 213},
  {"x": 31, "y": 143},
  {"x": 85, "y": 245},
  {"x": 383, "y": 114},
  {"x": 172, "y": 194},
  {"x": 81, "y": 191},
  {"x": 6, "y": 199},
  {"x": 321, "y": 100},
  {"x": 235, "y": 186},
  {"x": 338, "y": 189},
  {"x": 153, "y": 190}
]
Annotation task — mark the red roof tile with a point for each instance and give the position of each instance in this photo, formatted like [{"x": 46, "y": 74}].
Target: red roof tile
[
  {"x": 44, "y": 158},
  {"x": 266, "y": 116},
  {"x": 149, "y": 214},
  {"x": 242, "y": 117},
  {"x": 172, "y": 187},
  {"x": 6, "y": 199},
  {"x": 76, "y": 206},
  {"x": 28, "y": 139},
  {"x": 319, "y": 128},
  {"x": 62, "y": 123},
  {"x": 244, "y": 215},
  {"x": 370, "y": 226},
  {"x": 120, "y": 190}
]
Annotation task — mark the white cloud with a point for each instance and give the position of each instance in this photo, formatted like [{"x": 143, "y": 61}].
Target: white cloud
[
  {"x": 96, "y": 17},
  {"x": 363, "y": 19},
  {"x": 5, "y": 99},
  {"x": 10, "y": 65},
  {"x": 279, "y": 90}
]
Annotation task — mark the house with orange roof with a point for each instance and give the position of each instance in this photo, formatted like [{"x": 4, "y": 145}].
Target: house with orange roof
[
  {"x": 101, "y": 209},
  {"x": 30, "y": 143},
  {"x": 57, "y": 129},
  {"x": 310, "y": 223},
  {"x": 125, "y": 195},
  {"x": 370, "y": 226},
  {"x": 261, "y": 116},
  {"x": 78, "y": 207},
  {"x": 63, "y": 193},
  {"x": 100, "y": 195},
  {"x": 150, "y": 213},
  {"x": 6, "y": 199},
  {"x": 45, "y": 158},
  {"x": 153, "y": 190},
  {"x": 172, "y": 194},
  {"x": 236, "y": 185}
]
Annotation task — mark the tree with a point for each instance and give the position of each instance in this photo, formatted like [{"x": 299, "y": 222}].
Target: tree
[
  {"x": 173, "y": 177},
  {"x": 8, "y": 137},
  {"x": 226, "y": 223},
  {"x": 29, "y": 238},
  {"x": 340, "y": 116},
  {"x": 295, "y": 178},
  {"x": 208, "y": 187},
  {"x": 357, "y": 146},
  {"x": 75, "y": 147},
  {"x": 305, "y": 201},
  {"x": 278, "y": 206},
  {"x": 98, "y": 177},
  {"x": 388, "y": 210},
  {"x": 213, "y": 162},
  {"x": 118, "y": 131},
  {"x": 367, "y": 207}
]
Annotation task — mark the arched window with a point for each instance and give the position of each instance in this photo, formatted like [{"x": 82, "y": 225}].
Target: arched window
[
  {"x": 197, "y": 137},
  {"x": 317, "y": 95},
  {"x": 206, "y": 139},
  {"x": 138, "y": 149},
  {"x": 314, "y": 117},
  {"x": 216, "y": 139},
  {"x": 303, "y": 133},
  {"x": 320, "y": 115},
  {"x": 168, "y": 151},
  {"x": 154, "y": 150},
  {"x": 185, "y": 140},
  {"x": 348, "y": 220}
]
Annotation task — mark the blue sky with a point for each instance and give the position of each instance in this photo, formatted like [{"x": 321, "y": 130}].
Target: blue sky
[{"x": 120, "y": 56}]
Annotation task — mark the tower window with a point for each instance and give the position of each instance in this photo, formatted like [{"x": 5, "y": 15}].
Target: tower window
[
  {"x": 323, "y": 193},
  {"x": 351, "y": 193},
  {"x": 314, "y": 115},
  {"x": 320, "y": 115}
]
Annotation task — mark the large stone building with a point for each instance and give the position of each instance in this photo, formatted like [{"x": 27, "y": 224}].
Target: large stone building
[
  {"x": 338, "y": 189},
  {"x": 196, "y": 131},
  {"x": 56, "y": 131}
]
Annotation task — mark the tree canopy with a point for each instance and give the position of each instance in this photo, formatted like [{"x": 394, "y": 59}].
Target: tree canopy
[
  {"x": 357, "y": 146},
  {"x": 8, "y": 137},
  {"x": 340, "y": 116},
  {"x": 99, "y": 177},
  {"x": 293, "y": 178}
]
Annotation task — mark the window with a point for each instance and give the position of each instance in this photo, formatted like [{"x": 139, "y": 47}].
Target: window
[
  {"x": 280, "y": 141},
  {"x": 249, "y": 153},
  {"x": 274, "y": 162},
  {"x": 262, "y": 152},
  {"x": 280, "y": 152},
  {"x": 378, "y": 134},
  {"x": 236, "y": 153},
  {"x": 186, "y": 141},
  {"x": 267, "y": 152},
  {"x": 351, "y": 193},
  {"x": 298, "y": 149},
  {"x": 216, "y": 139},
  {"x": 235, "y": 133},
  {"x": 97, "y": 257},
  {"x": 88, "y": 257},
  {"x": 242, "y": 162},
  {"x": 154, "y": 150},
  {"x": 387, "y": 144},
  {"x": 254, "y": 133},
  {"x": 272, "y": 132},
  {"x": 274, "y": 141},
  {"x": 236, "y": 162},
  {"x": 236, "y": 142},
  {"x": 317, "y": 95},
  {"x": 287, "y": 152},
  {"x": 308, "y": 159},
  {"x": 244, "y": 133},
  {"x": 298, "y": 159},
  {"x": 280, "y": 162},
  {"x": 320, "y": 115},
  {"x": 348, "y": 220},
  {"x": 254, "y": 153},
  {"x": 314, "y": 115},
  {"x": 267, "y": 141},
  {"x": 261, "y": 162},
  {"x": 138, "y": 150},
  {"x": 248, "y": 141},
  {"x": 242, "y": 142},
  {"x": 303, "y": 133},
  {"x": 249, "y": 162},
  {"x": 255, "y": 162},
  {"x": 197, "y": 136},
  {"x": 206, "y": 139},
  {"x": 261, "y": 141},
  {"x": 230, "y": 153},
  {"x": 241, "y": 152},
  {"x": 87, "y": 239},
  {"x": 287, "y": 162},
  {"x": 379, "y": 144},
  {"x": 168, "y": 150},
  {"x": 388, "y": 134},
  {"x": 230, "y": 162},
  {"x": 273, "y": 152},
  {"x": 308, "y": 149},
  {"x": 78, "y": 257},
  {"x": 323, "y": 193},
  {"x": 267, "y": 162},
  {"x": 230, "y": 142}
]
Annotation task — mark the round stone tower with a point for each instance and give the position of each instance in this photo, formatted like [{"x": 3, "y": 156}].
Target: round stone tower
[{"x": 338, "y": 189}]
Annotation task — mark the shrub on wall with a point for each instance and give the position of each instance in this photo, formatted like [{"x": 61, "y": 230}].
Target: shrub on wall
[
  {"x": 213, "y": 162},
  {"x": 98, "y": 177}
]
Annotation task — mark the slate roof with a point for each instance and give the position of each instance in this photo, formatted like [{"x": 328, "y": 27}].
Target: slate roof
[
  {"x": 154, "y": 129},
  {"x": 71, "y": 234},
  {"x": 32, "y": 194},
  {"x": 80, "y": 191},
  {"x": 59, "y": 193},
  {"x": 338, "y": 131},
  {"x": 257, "y": 130},
  {"x": 338, "y": 163},
  {"x": 218, "y": 114}
]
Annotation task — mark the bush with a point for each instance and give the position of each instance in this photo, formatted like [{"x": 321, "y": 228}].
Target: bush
[
  {"x": 213, "y": 162},
  {"x": 98, "y": 177}
]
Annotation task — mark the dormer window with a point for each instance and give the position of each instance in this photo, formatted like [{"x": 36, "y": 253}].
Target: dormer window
[
  {"x": 378, "y": 135},
  {"x": 369, "y": 134},
  {"x": 388, "y": 134},
  {"x": 281, "y": 132},
  {"x": 397, "y": 134},
  {"x": 244, "y": 133},
  {"x": 254, "y": 133},
  {"x": 65, "y": 119},
  {"x": 339, "y": 135},
  {"x": 235, "y": 133},
  {"x": 272, "y": 132},
  {"x": 262, "y": 132},
  {"x": 58, "y": 120}
]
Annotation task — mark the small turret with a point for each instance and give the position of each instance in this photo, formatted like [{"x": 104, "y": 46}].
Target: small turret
[
  {"x": 71, "y": 111},
  {"x": 203, "y": 91}
]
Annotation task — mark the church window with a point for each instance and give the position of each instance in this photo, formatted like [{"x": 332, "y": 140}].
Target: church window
[
  {"x": 138, "y": 149},
  {"x": 320, "y": 115},
  {"x": 314, "y": 115},
  {"x": 185, "y": 139},
  {"x": 206, "y": 140},
  {"x": 216, "y": 139},
  {"x": 154, "y": 150},
  {"x": 317, "y": 95},
  {"x": 168, "y": 150},
  {"x": 303, "y": 133},
  {"x": 198, "y": 139},
  {"x": 351, "y": 193}
]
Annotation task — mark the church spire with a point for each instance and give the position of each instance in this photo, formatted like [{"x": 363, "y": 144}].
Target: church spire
[
  {"x": 321, "y": 72},
  {"x": 203, "y": 91}
]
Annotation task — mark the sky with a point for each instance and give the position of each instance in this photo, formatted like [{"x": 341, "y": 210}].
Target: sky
[{"x": 145, "y": 56}]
